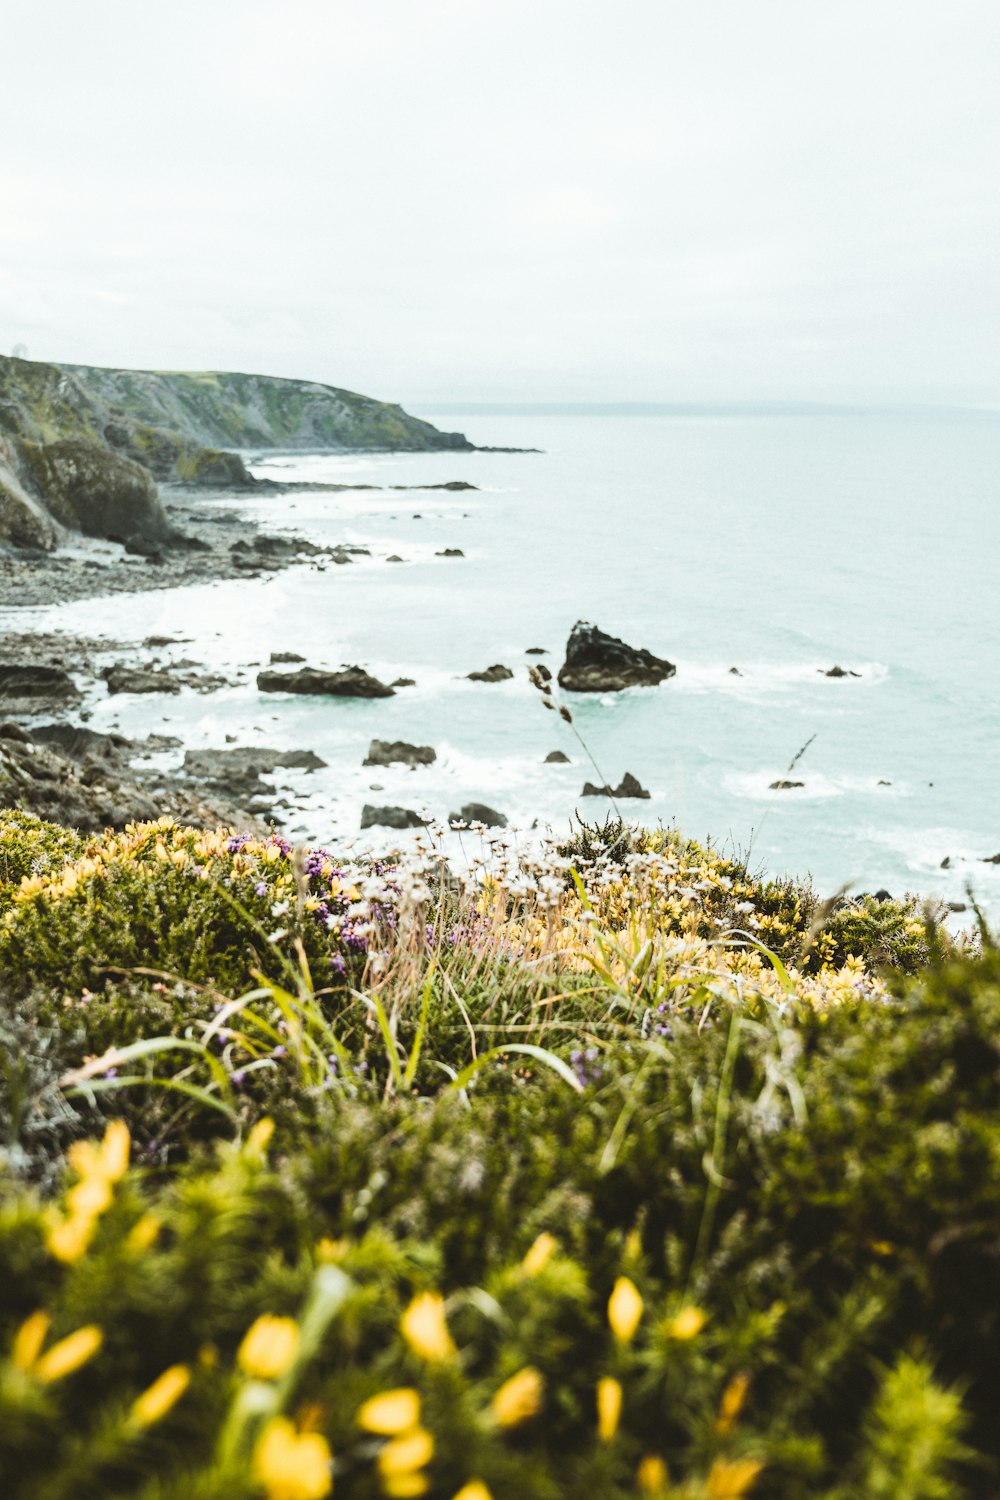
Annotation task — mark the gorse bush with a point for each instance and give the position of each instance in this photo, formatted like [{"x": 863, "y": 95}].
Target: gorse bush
[{"x": 567, "y": 1183}]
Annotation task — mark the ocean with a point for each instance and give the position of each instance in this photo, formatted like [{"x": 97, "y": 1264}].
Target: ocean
[{"x": 777, "y": 542}]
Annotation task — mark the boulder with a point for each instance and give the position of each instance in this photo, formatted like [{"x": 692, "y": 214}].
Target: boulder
[
  {"x": 403, "y": 682},
  {"x": 629, "y": 786},
  {"x": 139, "y": 680},
  {"x": 224, "y": 766},
  {"x": 600, "y": 663},
  {"x": 390, "y": 817},
  {"x": 285, "y": 658},
  {"x": 784, "y": 786},
  {"x": 450, "y": 552},
  {"x": 392, "y": 752},
  {"x": 557, "y": 758},
  {"x": 536, "y": 651},
  {"x": 478, "y": 812},
  {"x": 497, "y": 673},
  {"x": 38, "y": 682},
  {"x": 350, "y": 682},
  {"x": 837, "y": 672}
]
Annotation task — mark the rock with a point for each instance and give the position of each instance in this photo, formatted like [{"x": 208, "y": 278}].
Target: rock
[
  {"x": 945, "y": 863},
  {"x": 38, "y": 682},
  {"x": 391, "y": 752},
  {"x": 956, "y": 906},
  {"x": 883, "y": 782},
  {"x": 351, "y": 682},
  {"x": 15, "y": 732},
  {"x": 93, "y": 489},
  {"x": 837, "y": 672},
  {"x": 991, "y": 859},
  {"x": 497, "y": 673},
  {"x": 390, "y": 817},
  {"x": 225, "y": 765},
  {"x": 735, "y": 672},
  {"x": 784, "y": 786},
  {"x": 285, "y": 658},
  {"x": 394, "y": 558},
  {"x": 540, "y": 673},
  {"x": 629, "y": 786},
  {"x": 143, "y": 546},
  {"x": 403, "y": 682},
  {"x": 122, "y": 679},
  {"x": 450, "y": 552},
  {"x": 883, "y": 896},
  {"x": 600, "y": 663},
  {"x": 557, "y": 758},
  {"x": 478, "y": 812},
  {"x": 536, "y": 651},
  {"x": 154, "y": 641}
]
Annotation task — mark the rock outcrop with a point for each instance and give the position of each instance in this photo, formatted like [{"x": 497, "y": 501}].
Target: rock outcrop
[
  {"x": 398, "y": 752},
  {"x": 497, "y": 673},
  {"x": 629, "y": 786},
  {"x": 600, "y": 663},
  {"x": 390, "y": 817},
  {"x": 478, "y": 812},
  {"x": 350, "y": 682}
]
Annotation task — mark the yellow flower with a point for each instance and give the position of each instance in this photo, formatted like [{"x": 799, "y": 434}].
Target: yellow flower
[
  {"x": 624, "y": 1310},
  {"x": 609, "y": 1408},
  {"x": 540, "y": 1254},
  {"x": 28, "y": 1340},
  {"x": 518, "y": 1399},
  {"x": 67, "y": 1239},
  {"x": 89, "y": 1198},
  {"x": 291, "y": 1465},
  {"x": 143, "y": 1234},
  {"x": 115, "y": 1149},
  {"x": 687, "y": 1324},
  {"x": 651, "y": 1476},
  {"x": 390, "y": 1412},
  {"x": 475, "y": 1489},
  {"x": 269, "y": 1347},
  {"x": 157, "y": 1399},
  {"x": 732, "y": 1401},
  {"x": 402, "y": 1460},
  {"x": 69, "y": 1354},
  {"x": 257, "y": 1141},
  {"x": 729, "y": 1479},
  {"x": 424, "y": 1327}
]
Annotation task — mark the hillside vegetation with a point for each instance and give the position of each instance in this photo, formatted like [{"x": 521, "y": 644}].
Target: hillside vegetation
[{"x": 612, "y": 1172}]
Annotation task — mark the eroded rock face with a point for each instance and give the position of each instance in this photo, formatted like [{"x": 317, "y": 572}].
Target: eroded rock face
[
  {"x": 390, "y": 817},
  {"x": 478, "y": 812},
  {"x": 600, "y": 663},
  {"x": 91, "y": 489},
  {"x": 395, "y": 752},
  {"x": 350, "y": 682},
  {"x": 38, "y": 683}
]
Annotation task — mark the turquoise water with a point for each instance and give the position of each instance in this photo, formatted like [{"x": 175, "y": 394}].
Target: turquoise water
[{"x": 779, "y": 544}]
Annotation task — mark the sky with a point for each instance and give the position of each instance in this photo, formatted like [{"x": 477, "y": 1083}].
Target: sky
[{"x": 511, "y": 200}]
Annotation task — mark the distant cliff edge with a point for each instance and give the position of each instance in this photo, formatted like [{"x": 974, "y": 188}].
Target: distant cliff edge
[{"x": 81, "y": 447}]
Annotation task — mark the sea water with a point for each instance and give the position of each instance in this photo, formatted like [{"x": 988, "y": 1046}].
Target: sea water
[{"x": 778, "y": 543}]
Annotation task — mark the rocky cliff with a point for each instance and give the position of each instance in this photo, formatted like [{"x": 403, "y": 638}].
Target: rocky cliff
[
  {"x": 223, "y": 409},
  {"x": 82, "y": 448}
]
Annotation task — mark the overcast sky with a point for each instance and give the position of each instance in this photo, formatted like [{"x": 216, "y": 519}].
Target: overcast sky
[{"x": 537, "y": 199}]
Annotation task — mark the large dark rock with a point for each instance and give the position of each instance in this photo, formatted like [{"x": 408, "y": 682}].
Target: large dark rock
[
  {"x": 783, "y": 785},
  {"x": 390, "y": 817},
  {"x": 392, "y": 752},
  {"x": 557, "y": 758},
  {"x": 600, "y": 663},
  {"x": 478, "y": 812},
  {"x": 838, "y": 672},
  {"x": 221, "y": 767},
  {"x": 350, "y": 682},
  {"x": 38, "y": 682},
  {"x": 93, "y": 489},
  {"x": 497, "y": 673},
  {"x": 629, "y": 786},
  {"x": 122, "y": 679}
]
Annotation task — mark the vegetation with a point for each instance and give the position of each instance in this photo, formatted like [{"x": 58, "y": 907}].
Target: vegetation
[{"x": 617, "y": 1172}]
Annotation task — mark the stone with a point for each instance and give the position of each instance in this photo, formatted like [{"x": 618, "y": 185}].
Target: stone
[
  {"x": 138, "y": 680},
  {"x": 403, "y": 682},
  {"x": 784, "y": 786},
  {"x": 600, "y": 663},
  {"x": 350, "y": 682},
  {"x": 450, "y": 552},
  {"x": 37, "y": 682},
  {"x": 497, "y": 673},
  {"x": 991, "y": 859},
  {"x": 629, "y": 786},
  {"x": 15, "y": 732},
  {"x": 478, "y": 812},
  {"x": 735, "y": 672},
  {"x": 557, "y": 758},
  {"x": 394, "y": 558},
  {"x": 837, "y": 672},
  {"x": 390, "y": 817},
  {"x": 285, "y": 658},
  {"x": 392, "y": 752},
  {"x": 536, "y": 651}
]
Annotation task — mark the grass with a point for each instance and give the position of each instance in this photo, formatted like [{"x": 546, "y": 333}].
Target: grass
[{"x": 614, "y": 1172}]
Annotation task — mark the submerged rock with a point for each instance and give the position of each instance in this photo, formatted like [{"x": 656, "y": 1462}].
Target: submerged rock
[
  {"x": 390, "y": 817},
  {"x": 350, "y": 682},
  {"x": 403, "y": 682},
  {"x": 478, "y": 812},
  {"x": 392, "y": 752},
  {"x": 450, "y": 552},
  {"x": 837, "y": 672},
  {"x": 497, "y": 673},
  {"x": 600, "y": 663},
  {"x": 629, "y": 786},
  {"x": 557, "y": 758},
  {"x": 784, "y": 786},
  {"x": 285, "y": 658}
]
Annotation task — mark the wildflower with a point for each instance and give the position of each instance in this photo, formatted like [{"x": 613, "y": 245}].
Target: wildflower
[
  {"x": 651, "y": 1476},
  {"x": 290, "y": 1465},
  {"x": 541, "y": 1252},
  {"x": 143, "y": 1234},
  {"x": 424, "y": 1328},
  {"x": 475, "y": 1489},
  {"x": 391, "y": 1412},
  {"x": 28, "y": 1340},
  {"x": 609, "y": 1408},
  {"x": 69, "y": 1354},
  {"x": 269, "y": 1347},
  {"x": 687, "y": 1324},
  {"x": 624, "y": 1310},
  {"x": 401, "y": 1463},
  {"x": 729, "y": 1479},
  {"x": 518, "y": 1399},
  {"x": 732, "y": 1401},
  {"x": 259, "y": 1138},
  {"x": 166, "y": 1390},
  {"x": 67, "y": 1239}
]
